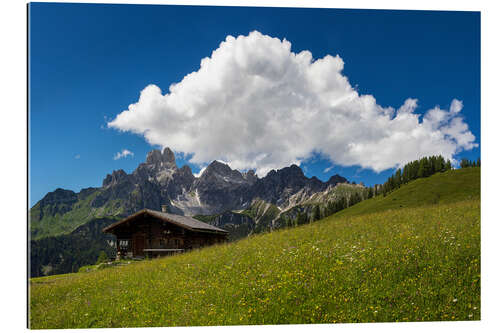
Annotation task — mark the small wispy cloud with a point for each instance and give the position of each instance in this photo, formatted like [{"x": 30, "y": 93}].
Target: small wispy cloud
[
  {"x": 77, "y": 157},
  {"x": 122, "y": 154},
  {"x": 328, "y": 169}
]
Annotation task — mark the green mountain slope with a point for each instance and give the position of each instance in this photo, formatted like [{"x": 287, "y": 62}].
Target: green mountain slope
[
  {"x": 448, "y": 187},
  {"x": 389, "y": 263},
  {"x": 56, "y": 218}
]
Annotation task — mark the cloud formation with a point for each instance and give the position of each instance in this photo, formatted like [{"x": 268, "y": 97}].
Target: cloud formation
[
  {"x": 260, "y": 106},
  {"x": 122, "y": 154}
]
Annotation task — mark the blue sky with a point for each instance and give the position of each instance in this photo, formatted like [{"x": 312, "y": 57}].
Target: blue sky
[{"x": 89, "y": 62}]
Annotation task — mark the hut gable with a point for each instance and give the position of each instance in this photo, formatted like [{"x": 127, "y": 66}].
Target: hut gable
[{"x": 182, "y": 221}]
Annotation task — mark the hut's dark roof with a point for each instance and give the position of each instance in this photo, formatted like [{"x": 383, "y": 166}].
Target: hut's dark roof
[{"x": 182, "y": 221}]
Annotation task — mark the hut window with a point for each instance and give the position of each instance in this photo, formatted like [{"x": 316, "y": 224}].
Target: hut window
[
  {"x": 124, "y": 244},
  {"x": 162, "y": 242}
]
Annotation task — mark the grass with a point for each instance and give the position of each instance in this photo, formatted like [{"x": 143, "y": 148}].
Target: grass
[
  {"x": 106, "y": 265},
  {"x": 405, "y": 264}
]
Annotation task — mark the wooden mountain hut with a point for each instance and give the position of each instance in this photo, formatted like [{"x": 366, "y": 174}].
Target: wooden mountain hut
[{"x": 150, "y": 233}]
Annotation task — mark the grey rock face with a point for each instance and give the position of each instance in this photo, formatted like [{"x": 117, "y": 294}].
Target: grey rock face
[
  {"x": 159, "y": 167},
  {"x": 222, "y": 188},
  {"x": 279, "y": 185},
  {"x": 250, "y": 176},
  {"x": 115, "y": 177},
  {"x": 158, "y": 158},
  {"x": 181, "y": 182},
  {"x": 152, "y": 184},
  {"x": 159, "y": 181}
]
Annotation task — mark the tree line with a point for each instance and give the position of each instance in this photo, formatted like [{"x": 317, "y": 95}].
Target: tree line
[
  {"x": 465, "y": 163},
  {"x": 421, "y": 168}
]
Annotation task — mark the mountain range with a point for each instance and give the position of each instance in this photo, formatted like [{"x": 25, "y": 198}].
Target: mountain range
[{"x": 159, "y": 181}]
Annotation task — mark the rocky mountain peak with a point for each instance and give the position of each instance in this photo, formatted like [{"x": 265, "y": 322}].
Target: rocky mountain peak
[
  {"x": 186, "y": 170},
  {"x": 223, "y": 172},
  {"x": 293, "y": 172},
  {"x": 184, "y": 177},
  {"x": 59, "y": 195},
  {"x": 335, "y": 179},
  {"x": 250, "y": 176},
  {"x": 159, "y": 158},
  {"x": 153, "y": 157},
  {"x": 218, "y": 168},
  {"x": 168, "y": 156},
  {"x": 58, "y": 202},
  {"x": 113, "y": 178}
]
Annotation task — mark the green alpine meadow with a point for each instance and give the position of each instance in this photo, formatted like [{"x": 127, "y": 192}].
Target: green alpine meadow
[{"x": 411, "y": 254}]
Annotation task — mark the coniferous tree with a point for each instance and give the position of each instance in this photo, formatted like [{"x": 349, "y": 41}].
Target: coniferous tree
[
  {"x": 440, "y": 164},
  {"x": 301, "y": 218},
  {"x": 102, "y": 257},
  {"x": 431, "y": 165},
  {"x": 356, "y": 198},
  {"x": 398, "y": 179},
  {"x": 316, "y": 213},
  {"x": 331, "y": 208},
  {"x": 421, "y": 169},
  {"x": 464, "y": 163},
  {"x": 343, "y": 203},
  {"x": 416, "y": 166},
  {"x": 448, "y": 165},
  {"x": 427, "y": 167},
  {"x": 370, "y": 193}
]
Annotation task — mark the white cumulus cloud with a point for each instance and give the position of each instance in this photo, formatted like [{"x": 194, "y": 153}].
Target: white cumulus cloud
[
  {"x": 122, "y": 154},
  {"x": 259, "y": 105}
]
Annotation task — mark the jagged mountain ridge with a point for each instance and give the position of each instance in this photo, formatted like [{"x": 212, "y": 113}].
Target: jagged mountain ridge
[
  {"x": 263, "y": 216},
  {"x": 160, "y": 181}
]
